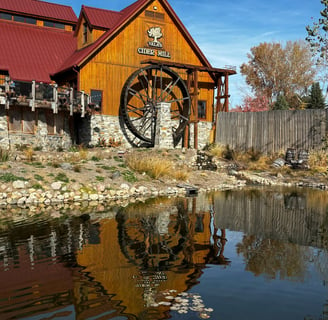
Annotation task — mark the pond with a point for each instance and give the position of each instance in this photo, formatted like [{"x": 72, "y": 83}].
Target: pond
[{"x": 242, "y": 254}]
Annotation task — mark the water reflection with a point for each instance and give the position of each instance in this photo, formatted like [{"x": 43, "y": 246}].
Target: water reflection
[{"x": 144, "y": 261}]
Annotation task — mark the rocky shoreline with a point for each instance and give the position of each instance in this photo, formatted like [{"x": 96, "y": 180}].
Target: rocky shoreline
[{"x": 81, "y": 190}]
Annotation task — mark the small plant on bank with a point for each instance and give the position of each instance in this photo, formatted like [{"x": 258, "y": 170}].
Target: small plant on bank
[
  {"x": 254, "y": 155},
  {"x": 77, "y": 168},
  {"x": 110, "y": 143},
  {"x": 318, "y": 160},
  {"x": 229, "y": 154},
  {"x": 118, "y": 159},
  {"x": 37, "y": 186},
  {"x": 100, "y": 178},
  {"x": 217, "y": 150},
  {"x": 55, "y": 164},
  {"x": 129, "y": 176},
  {"x": 83, "y": 153},
  {"x": 38, "y": 177},
  {"x": 29, "y": 154},
  {"x": 4, "y": 155},
  {"x": 9, "y": 177},
  {"x": 62, "y": 177},
  {"x": 108, "y": 168},
  {"x": 95, "y": 158}
]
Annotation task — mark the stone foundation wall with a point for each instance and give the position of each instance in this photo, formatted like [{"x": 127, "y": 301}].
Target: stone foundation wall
[
  {"x": 204, "y": 134},
  {"x": 40, "y": 139},
  {"x": 93, "y": 129}
]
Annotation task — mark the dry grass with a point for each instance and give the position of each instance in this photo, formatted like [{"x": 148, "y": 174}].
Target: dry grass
[
  {"x": 75, "y": 157},
  {"x": 155, "y": 166},
  {"x": 29, "y": 154},
  {"x": 318, "y": 160},
  {"x": 217, "y": 150}
]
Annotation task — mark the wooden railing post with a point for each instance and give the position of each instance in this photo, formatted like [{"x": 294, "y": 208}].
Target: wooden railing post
[
  {"x": 82, "y": 105},
  {"x": 32, "y": 101},
  {"x": 71, "y": 96}
]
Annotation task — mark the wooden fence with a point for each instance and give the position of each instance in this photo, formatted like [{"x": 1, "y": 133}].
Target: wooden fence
[{"x": 273, "y": 131}]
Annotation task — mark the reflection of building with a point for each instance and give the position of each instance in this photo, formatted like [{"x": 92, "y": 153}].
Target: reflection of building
[
  {"x": 39, "y": 274},
  {"x": 93, "y": 60},
  {"x": 160, "y": 261},
  {"x": 112, "y": 268}
]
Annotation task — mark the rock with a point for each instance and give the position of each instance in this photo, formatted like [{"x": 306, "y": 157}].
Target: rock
[
  {"x": 56, "y": 185},
  {"x": 75, "y": 186},
  {"x": 278, "y": 163},
  {"x": 93, "y": 196},
  {"x": 115, "y": 175},
  {"x": 66, "y": 166},
  {"x": 19, "y": 184},
  {"x": 124, "y": 186}
]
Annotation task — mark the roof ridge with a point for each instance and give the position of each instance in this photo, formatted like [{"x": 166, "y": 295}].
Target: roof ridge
[{"x": 100, "y": 9}]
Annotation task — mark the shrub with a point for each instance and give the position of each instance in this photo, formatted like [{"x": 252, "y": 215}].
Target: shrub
[
  {"x": 4, "y": 155},
  {"x": 217, "y": 150},
  {"x": 29, "y": 154}
]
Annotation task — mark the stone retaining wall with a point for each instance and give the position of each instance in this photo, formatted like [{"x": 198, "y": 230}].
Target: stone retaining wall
[{"x": 92, "y": 130}]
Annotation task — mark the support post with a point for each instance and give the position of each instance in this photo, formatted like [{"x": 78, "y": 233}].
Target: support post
[
  {"x": 195, "y": 99},
  {"x": 163, "y": 127},
  {"x": 187, "y": 129},
  {"x": 226, "y": 93}
]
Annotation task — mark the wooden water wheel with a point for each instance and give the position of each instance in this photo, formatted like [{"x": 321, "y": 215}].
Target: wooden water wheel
[{"x": 143, "y": 91}]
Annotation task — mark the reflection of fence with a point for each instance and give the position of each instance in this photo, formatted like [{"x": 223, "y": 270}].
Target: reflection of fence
[
  {"x": 274, "y": 215},
  {"x": 272, "y": 131},
  {"x": 42, "y": 95}
]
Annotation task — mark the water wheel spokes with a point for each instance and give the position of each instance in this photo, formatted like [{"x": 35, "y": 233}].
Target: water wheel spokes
[{"x": 143, "y": 91}]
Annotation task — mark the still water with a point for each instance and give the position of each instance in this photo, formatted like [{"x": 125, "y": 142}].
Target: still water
[{"x": 251, "y": 254}]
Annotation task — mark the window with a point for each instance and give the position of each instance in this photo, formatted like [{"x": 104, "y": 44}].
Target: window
[
  {"x": 24, "y": 19},
  {"x": 52, "y": 24},
  {"x": 154, "y": 15},
  {"x": 5, "y": 16},
  {"x": 21, "y": 119},
  {"x": 201, "y": 109},
  {"x": 85, "y": 33},
  {"x": 96, "y": 99}
]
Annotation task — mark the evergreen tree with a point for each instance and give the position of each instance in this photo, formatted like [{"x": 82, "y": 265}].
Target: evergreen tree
[
  {"x": 316, "y": 99},
  {"x": 281, "y": 103}
]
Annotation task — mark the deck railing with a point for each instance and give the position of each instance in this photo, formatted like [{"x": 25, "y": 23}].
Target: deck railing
[{"x": 43, "y": 95}]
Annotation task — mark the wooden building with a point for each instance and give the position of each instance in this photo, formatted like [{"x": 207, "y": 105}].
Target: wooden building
[{"x": 100, "y": 78}]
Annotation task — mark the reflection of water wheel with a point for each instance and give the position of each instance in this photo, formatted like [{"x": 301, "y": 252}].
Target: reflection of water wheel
[
  {"x": 143, "y": 91},
  {"x": 143, "y": 246}
]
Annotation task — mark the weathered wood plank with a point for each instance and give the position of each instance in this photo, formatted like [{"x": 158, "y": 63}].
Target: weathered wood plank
[{"x": 273, "y": 131}]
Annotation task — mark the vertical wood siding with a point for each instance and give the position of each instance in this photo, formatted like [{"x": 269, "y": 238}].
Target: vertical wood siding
[
  {"x": 110, "y": 67},
  {"x": 272, "y": 131}
]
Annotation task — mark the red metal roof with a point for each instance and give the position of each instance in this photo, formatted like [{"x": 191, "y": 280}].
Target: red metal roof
[
  {"x": 40, "y": 9},
  {"x": 101, "y": 18},
  {"x": 33, "y": 53}
]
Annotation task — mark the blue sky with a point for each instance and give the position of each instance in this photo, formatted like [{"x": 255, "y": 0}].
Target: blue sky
[{"x": 227, "y": 30}]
